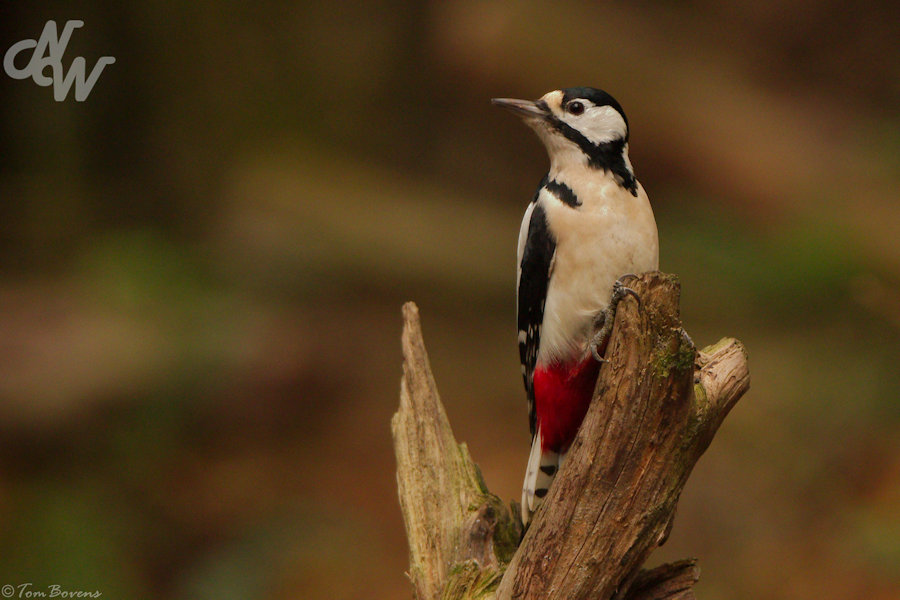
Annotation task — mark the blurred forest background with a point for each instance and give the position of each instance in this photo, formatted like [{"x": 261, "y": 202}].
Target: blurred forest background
[{"x": 202, "y": 267}]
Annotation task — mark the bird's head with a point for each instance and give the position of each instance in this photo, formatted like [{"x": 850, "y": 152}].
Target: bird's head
[{"x": 579, "y": 124}]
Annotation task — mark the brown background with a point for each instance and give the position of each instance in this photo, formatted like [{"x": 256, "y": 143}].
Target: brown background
[{"x": 202, "y": 268}]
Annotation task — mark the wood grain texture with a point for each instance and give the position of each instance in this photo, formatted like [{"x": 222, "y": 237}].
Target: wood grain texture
[
  {"x": 656, "y": 407},
  {"x": 458, "y": 532}
]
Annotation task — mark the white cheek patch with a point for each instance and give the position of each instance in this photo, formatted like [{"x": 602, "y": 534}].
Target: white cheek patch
[{"x": 599, "y": 124}]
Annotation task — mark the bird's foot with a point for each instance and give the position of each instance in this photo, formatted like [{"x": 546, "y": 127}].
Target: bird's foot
[{"x": 603, "y": 323}]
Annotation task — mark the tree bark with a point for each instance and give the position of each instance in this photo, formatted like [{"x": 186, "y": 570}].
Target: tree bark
[
  {"x": 656, "y": 408},
  {"x": 460, "y": 535}
]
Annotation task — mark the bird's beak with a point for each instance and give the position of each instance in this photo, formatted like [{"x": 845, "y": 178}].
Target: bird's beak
[{"x": 523, "y": 108}]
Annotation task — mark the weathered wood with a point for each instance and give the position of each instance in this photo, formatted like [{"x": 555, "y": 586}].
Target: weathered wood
[
  {"x": 656, "y": 407},
  {"x": 459, "y": 534},
  {"x": 673, "y": 581}
]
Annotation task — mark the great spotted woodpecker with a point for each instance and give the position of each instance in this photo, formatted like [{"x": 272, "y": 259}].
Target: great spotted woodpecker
[{"x": 589, "y": 224}]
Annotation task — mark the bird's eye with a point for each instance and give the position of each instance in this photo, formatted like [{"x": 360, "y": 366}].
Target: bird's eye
[{"x": 575, "y": 108}]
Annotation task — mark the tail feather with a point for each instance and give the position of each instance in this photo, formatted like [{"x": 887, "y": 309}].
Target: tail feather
[{"x": 542, "y": 468}]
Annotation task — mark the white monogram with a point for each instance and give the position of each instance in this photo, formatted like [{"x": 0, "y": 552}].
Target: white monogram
[{"x": 48, "y": 51}]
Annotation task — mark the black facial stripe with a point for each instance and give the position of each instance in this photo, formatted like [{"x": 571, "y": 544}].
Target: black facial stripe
[
  {"x": 548, "y": 469},
  {"x": 606, "y": 156},
  {"x": 563, "y": 192}
]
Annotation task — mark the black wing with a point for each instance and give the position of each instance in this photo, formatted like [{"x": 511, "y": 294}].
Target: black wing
[{"x": 534, "y": 276}]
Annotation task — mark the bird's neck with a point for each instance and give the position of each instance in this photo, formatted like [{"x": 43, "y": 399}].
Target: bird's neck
[
  {"x": 573, "y": 170},
  {"x": 568, "y": 163},
  {"x": 579, "y": 175}
]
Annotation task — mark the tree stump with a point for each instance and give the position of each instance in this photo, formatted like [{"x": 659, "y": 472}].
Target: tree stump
[{"x": 656, "y": 408}]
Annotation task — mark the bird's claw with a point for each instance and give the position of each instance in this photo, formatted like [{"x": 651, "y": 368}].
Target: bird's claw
[
  {"x": 595, "y": 353},
  {"x": 607, "y": 316},
  {"x": 603, "y": 324},
  {"x": 620, "y": 290},
  {"x": 627, "y": 291}
]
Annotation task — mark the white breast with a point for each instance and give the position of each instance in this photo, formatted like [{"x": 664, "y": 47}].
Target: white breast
[{"x": 612, "y": 233}]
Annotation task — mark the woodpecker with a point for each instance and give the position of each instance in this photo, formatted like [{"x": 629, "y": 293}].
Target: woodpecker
[{"x": 589, "y": 224}]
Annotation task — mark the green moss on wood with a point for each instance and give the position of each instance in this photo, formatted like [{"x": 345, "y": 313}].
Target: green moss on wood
[
  {"x": 680, "y": 360},
  {"x": 718, "y": 345},
  {"x": 472, "y": 471},
  {"x": 507, "y": 534},
  {"x": 469, "y": 581}
]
